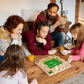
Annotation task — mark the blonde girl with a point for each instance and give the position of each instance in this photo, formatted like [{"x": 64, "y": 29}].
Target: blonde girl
[{"x": 77, "y": 31}]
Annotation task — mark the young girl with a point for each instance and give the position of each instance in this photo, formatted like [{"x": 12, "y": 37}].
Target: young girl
[
  {"x": 77, "y": 31},
  {"x": 12, "y": 70},
  {"x": 40, "y": 36}
]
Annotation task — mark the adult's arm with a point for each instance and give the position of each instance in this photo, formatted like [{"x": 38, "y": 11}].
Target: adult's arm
[
  {"x": 3, "y": 45},
  {"x": 19, "y": 41}
]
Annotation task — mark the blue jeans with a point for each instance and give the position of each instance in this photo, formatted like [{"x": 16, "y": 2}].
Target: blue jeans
[
  {"x": 59, "y": 36},
  {"x": 2, "y": 58}
]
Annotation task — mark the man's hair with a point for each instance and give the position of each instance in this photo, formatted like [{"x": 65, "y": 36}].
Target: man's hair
[
  {"x": 39, "y": 24},
  {"x": 12, "y": 22},
  {"x": 50, "y": 5}
]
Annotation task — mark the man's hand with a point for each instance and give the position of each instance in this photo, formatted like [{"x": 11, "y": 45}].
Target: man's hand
[
  {"x": 1, "y": 53},
  {"x": 60, "y": 21},
  {"x": 41, "y": 40},
  {"x": 14, "y": 36}
]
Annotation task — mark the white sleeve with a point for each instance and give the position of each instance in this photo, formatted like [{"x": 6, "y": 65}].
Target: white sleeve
[{"x": 14, "y": 42}]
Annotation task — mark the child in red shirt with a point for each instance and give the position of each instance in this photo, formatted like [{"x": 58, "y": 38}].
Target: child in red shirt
[{"x": 41, "y": 35}]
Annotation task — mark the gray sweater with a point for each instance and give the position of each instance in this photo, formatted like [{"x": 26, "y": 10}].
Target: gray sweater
[{"x": 4, "y": 43}]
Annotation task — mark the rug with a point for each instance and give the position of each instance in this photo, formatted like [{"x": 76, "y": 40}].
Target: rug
[{"x": 79, "y": 79}]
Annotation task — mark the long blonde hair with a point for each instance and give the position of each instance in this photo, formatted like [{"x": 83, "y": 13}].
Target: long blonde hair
[
  {"x": 79, "y": 29},
  {"x": 14, "y": 60}
]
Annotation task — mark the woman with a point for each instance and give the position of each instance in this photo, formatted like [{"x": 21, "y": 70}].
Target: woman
[
  {"x": 13, "y": 71},
  {"x": 10, "y": 34},
  {"x": 77, "y": 31},
  {"x": 40, "y": 36}
]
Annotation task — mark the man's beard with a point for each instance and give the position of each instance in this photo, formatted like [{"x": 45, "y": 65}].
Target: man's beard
[{"x": 51, "y": 18}]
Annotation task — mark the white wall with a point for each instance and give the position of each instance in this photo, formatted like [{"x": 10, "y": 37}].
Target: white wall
[
  {"x": 11, "y": 7},
  {"x": 81, "y": 9},
  {"x": 70, "y": 6}
]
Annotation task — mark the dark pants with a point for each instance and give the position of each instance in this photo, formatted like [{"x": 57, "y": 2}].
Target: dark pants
[
  {"x": 2, "y": 58},
  {"x": 60, "y": 36}
]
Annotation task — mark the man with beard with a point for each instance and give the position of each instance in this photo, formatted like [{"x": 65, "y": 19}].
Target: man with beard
[{"x": 56, "y": 23}]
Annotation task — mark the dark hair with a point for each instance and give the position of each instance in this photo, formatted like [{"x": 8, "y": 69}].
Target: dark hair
[
  {"x": 39, "y": 24},
  {"x": 79, "y": 29},
  {"x": 50, "y": 5},
  {"x": 14, "y": 60},
  {"x": 12, "y": 22}
]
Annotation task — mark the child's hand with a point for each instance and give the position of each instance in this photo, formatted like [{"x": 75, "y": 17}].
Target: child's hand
[
  {"x": 52, "y": 52},
  {"x": 1, "y": 53},
  {"x": 34, "y": 81},
  {"x": 41, "y": 40},
  {"x": 14, "y": 36},
  {"x": 64, "y": 52},
  {"x": 69, "y": 59}
]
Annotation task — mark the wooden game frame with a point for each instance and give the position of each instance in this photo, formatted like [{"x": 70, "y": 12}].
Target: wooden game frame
[{"x": 64, "y": 65}]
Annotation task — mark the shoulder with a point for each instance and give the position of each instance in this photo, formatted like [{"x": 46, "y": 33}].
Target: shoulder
[
  {"x": 20, "y": 73},
  {"x": 2, "y": 34},
  {"x": 48, "y": 35},
  {"x": 29, "y": 34},
  {"x": 83, "y": 43},
  {"x": 41, "y": 14},
  {"x": 2, "y": 73}
]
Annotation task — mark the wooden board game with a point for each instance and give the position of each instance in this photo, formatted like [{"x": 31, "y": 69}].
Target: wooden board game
[{"x": 52, "y": 64}]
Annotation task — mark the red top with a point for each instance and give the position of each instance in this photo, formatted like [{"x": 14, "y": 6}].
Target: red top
[
  {"x": 79, "y": 51},
  {"x": 42, "y": 17},
  {"x": 29, "y": 38}
]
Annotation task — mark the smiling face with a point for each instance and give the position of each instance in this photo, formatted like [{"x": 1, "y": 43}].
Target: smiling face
[
  {"x": 18, "y": 29},
  {"x": 43, "y": 32},
  {"x": 52, "y": 12},
  {"x": 74, "y": 36}
]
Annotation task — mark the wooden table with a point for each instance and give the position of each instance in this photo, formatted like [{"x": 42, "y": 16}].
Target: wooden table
[{"x": 34, "y": 72}]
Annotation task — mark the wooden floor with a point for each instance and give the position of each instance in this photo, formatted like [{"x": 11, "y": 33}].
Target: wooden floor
[{"x": 34, "y": 72}]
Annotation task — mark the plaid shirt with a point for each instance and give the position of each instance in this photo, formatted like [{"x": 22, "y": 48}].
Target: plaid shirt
[{"x": 42, "y": 17}]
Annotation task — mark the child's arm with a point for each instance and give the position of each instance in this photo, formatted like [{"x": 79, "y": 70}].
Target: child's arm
[
  {"x": 75, "y": 50},
  {"x": 81, "y": 53}
]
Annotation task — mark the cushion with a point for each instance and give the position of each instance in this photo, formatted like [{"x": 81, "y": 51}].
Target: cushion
[{"x": 30, "y": 15}]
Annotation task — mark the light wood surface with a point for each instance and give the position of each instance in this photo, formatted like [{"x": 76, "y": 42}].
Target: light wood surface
[{"x": 34, "y": 72}]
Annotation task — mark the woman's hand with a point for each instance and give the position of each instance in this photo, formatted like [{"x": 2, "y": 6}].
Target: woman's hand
[
  {"x": 1, "y": 53},
  {"x": 52, "y": 52},
  {"x": 41, "y": 40},
  {"x": 14, "y": 36}
]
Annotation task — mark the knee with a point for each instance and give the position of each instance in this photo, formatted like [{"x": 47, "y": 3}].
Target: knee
[{"x": 62, "y": 35}]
